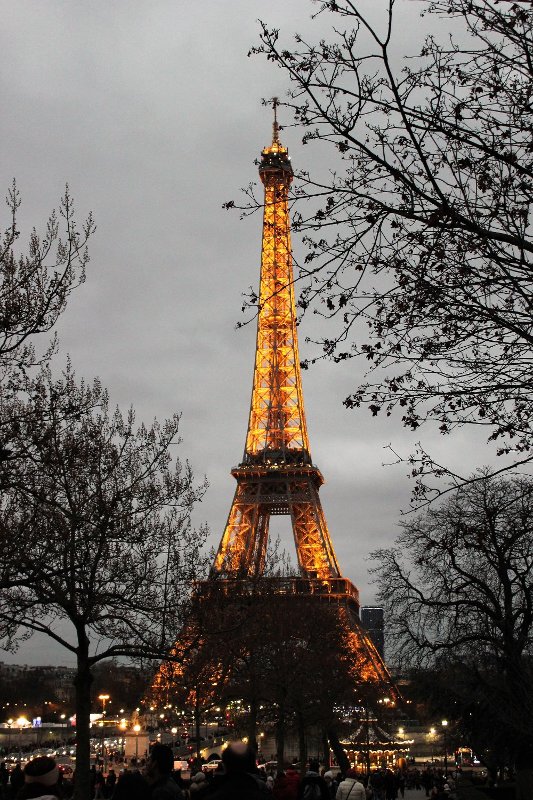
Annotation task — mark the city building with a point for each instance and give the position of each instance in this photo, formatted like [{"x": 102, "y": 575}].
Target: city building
[{"x": 373, "y": 621}]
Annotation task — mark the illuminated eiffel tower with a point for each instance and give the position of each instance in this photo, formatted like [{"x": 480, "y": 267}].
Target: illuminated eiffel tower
[{"x": 277, "y": 475}]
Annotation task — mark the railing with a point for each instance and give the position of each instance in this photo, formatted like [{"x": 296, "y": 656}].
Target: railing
[{"x": 340, "y": 590}]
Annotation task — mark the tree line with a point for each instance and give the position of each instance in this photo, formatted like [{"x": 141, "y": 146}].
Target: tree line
[{"x": 48, "y": 692}]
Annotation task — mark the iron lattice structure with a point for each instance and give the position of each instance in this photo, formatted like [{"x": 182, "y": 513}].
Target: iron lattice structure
[{"x": 276, "y": 475}]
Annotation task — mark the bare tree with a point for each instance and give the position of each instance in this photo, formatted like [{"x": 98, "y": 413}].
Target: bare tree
[
  {"x": 34, "y": 288},
  {"x": 35, "y": 285},
  {"x": 97, "y": 551},
  {"x": 458, "y": 593},
  {"x": 469, "y": 699},
  {"x": 418, "y": 216}
]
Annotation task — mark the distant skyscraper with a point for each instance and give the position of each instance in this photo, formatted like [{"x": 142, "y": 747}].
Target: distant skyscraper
[{"x": 373, "y": 622}]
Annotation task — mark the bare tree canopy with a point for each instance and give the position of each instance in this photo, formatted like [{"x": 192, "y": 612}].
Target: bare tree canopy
[
  {"x": 97, "y": 502},
  {"x": 418, "y": 216},
  {"x": 35, "y": 285},
  {"x": 458, "y": 593},
  {"x": 96, "y": 546}
]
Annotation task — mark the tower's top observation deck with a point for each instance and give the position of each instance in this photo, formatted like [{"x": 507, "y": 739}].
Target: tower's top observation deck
[{"x": 275, "y": 158}]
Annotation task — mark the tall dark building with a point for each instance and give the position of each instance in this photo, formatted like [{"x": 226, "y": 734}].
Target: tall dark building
[{"x": 373, "y": 622}]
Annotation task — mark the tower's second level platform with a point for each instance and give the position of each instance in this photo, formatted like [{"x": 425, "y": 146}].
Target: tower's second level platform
[{"x": 339, "y": 591}]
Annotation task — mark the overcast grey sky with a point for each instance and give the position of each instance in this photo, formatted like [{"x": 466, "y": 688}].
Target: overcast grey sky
[{"x": 151, "y": 110}]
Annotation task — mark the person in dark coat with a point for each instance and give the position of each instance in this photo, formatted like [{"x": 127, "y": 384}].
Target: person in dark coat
[
  {"x": 159, "y": 774},
  {"x": 199, "y": 787},
  {"x": 240, "y": 780},
  {"x": 313, "y": 786},
  {"x": 41, "y": 780},
  {"x": 4, "y": 774},
  {"x": 16, "y": 780},
  {"x": 131, "y": 786}
]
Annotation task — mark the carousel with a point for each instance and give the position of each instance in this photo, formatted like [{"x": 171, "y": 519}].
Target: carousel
[{"x": 370, "y": 746}]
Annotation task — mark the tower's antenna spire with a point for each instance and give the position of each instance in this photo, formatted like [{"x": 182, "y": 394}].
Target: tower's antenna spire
[{"x": 275, "y": 126}]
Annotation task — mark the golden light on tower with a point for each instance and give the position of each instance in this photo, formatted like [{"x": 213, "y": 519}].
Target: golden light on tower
[
  {"x": 277, "y": 418},
  {"x": 276, "y": 475}
]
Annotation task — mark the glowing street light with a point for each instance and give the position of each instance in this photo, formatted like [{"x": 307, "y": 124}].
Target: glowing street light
[
  {"x": 137, "y": 729},
  {"x": 123, "y": 725},
  {"x": 444, "y": 729},
  {"x": 104, "y": 698},
  {"x": 9, "y": 725},
  {"x": 21, "y": 723},
  {"x": 431, "y": 737}
]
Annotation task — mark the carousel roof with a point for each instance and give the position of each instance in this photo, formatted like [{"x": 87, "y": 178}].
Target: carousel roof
[{"x": 375, "y": 737}]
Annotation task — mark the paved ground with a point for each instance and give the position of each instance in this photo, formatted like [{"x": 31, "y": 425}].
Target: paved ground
[{"x": 414, "y": 794}]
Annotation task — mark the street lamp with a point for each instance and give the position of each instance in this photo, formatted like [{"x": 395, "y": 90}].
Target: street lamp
[
  {"x": 9, "y": 725},
  {"x": 432, "y": 732},
  {"x": 123, "y": 726},
  {"x": 444, "y": 729},
  {"x": 137, "y": 729},
  {"x": 21, "y": 723},
  {"x": 104, "y": 698},
  {"x": 400, "y": 737}
]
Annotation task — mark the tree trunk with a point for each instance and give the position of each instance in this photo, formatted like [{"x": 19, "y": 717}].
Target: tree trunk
[
  {"x": 82, "y": 684},
  {"x": 524, "y": 772},
  {"x": 280, "y": 739},
  {"x": 339, "y": 751},
  {"x": 252, "y": 724},
  {"x": 197, "y": 728},
  {"x": 325, "y": 750},
  {"x": 302, "y": 744}
]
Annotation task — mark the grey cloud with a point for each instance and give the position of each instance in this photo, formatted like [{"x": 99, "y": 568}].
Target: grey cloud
[{"x": 152, "y": 112}]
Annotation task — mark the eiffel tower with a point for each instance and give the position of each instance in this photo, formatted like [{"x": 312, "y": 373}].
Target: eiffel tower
[{"x": 276, "y": 475}]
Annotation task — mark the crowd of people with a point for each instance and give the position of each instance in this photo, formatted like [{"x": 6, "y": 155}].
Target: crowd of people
[{"x": 236, "y": 778}]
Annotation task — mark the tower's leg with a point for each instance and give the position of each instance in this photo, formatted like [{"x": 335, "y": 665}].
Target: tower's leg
[
  {"x": 311, "y": 536},
  {"x": 244, "y": 543},
  {"x": 261, "y": 539}
]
